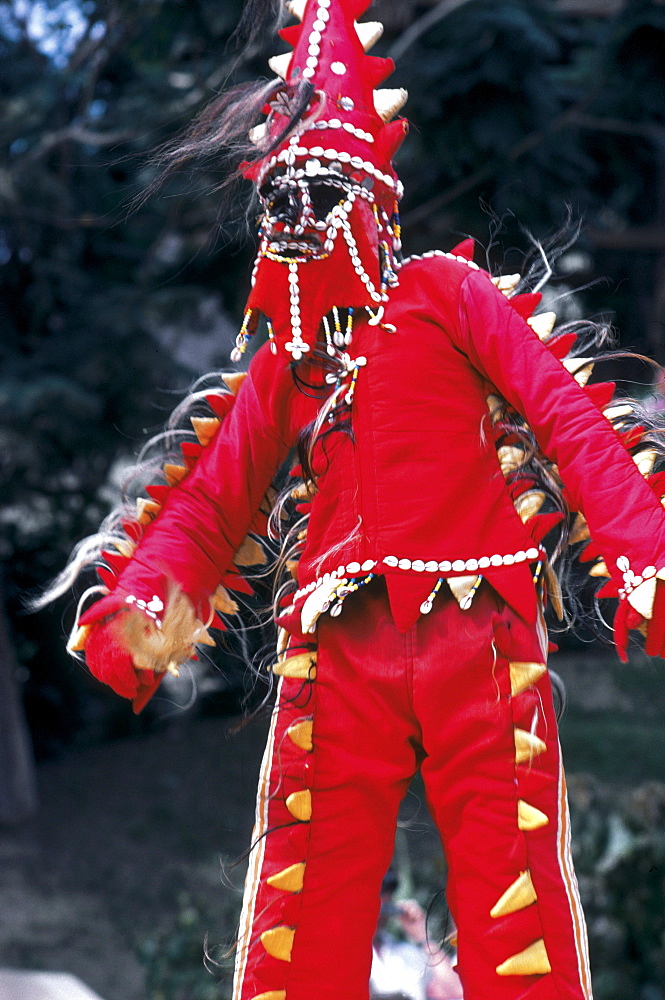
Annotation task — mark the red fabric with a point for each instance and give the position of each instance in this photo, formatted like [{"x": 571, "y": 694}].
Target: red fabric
[
  {"x": 420, "y": 479},
  {"x": 109, "y": 662},
  {"x": 438, "y": 694}
]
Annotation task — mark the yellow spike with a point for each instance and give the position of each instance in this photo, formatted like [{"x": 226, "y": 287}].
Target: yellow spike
[
  {"x": 533, "y": 961},
  {"x": 258, "y": 133},
  {"x": 643, "y": 597},
  {"x": 300, "y": 733},
  {"x": 203, "y": 637},
  {"x": 234, "y": 380},
  {"x": 580, "y": 530},
  {"x": 510, "y": 458},
  {"x": 580, "y": 369},
  {"x": 553, "y": 590},
  {"x": 299, "y": 805},
  {"x": 125, "y": 546},
  {"x": 78, "y": 638},
  {"x": 528, "y": 504},
  {"x": 388, "y": 102},
  {"x": 614, "y": 412},
  {"x": 278, "y": 942},
  {"x": 222, "y": 601},
  {"x": 205, "y": 428},
  {"x": 301, "y": 667},
  {"x": 507, "y": 283},
  {"x": 272, "y": 995},
  {"x": 461, "y": 586},
  {"x": 292, "y": 567},
  {"x": 280, "y": 64},
  {"x": 146, "y": 510},
  {"x": 599, "y": 569},
  {"x": 496, "y": 406},
  {"x": 304, "y": 491},
  {"x": 250, "y": 553},
  {"x": 543, "y": 324},
  {"x": 527, "y": 746},
  {"x": 523, "y": 675},
  {"x": 530, "y": 818},
  {"x": 517, "y": 896},
  {"x": 290, "y": 879},
  {"x": 369, "y": 33},
  {"x": 644, "y": 460},
  {"x": 174, "y": 473},
  {"x": 296, "y": 8}
]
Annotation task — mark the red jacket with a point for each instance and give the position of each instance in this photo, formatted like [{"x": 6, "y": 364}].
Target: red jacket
[{"x": 417, "y": 493}]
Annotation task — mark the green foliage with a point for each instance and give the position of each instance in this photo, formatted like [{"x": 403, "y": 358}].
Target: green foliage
[
  {"x": 619, "y": 851},
  {"x": 181, "y": 963}
]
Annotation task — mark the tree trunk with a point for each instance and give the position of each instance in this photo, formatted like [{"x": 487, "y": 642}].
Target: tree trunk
[{"x": 18, "y": 785}]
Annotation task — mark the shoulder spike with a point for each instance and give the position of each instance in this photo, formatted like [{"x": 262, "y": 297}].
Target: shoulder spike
[{"x": 542, "y": 324}]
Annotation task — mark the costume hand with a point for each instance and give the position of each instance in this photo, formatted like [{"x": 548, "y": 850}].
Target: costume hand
[{"x": 110, "y": 662}]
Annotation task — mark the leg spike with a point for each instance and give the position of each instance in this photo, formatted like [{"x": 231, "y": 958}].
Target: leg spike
[
  {"x": 523, "y": 675},
  {"x": 533, "y": 961},
  {"x": 516, "y": 897},
  {"x": 530, "y": 818}
]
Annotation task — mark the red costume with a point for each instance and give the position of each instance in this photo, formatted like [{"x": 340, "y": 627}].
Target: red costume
[{"x": 439, "y": 661}]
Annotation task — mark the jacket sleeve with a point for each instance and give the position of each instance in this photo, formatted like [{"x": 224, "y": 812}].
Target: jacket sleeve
[
  {"x": 625, "y": 518},
  {"x": 189, "y": 547}
]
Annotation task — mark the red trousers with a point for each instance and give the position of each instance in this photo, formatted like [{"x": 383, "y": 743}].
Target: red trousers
[{"x": 465, "y": 696}]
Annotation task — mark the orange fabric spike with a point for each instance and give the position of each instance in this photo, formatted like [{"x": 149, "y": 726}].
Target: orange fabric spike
[
  {"x": 632, "y": 437},
  {"x": 107, "y": 577},
  {"x": 466, "y": 249},
  {"x": 526, "y": 304},
  {"x": 220, "y": 403},
  {"x": 561, "y": 346},
  {"x": 609, "y": 589},
  {"x": 376, "y": 69},
  {"x": 115, "y": 561},
  {"x": 291, "y": 34},
  {"x": 391, "y": 137},
  {"x": 542, "y": 524},
  {"x": 601, "y": 393},
  {"x": 158, "y": 492},
  {"x": 657, "y": 483},
  {"x": 191, "y": 452},
  {"x": 589, "y": 553}
]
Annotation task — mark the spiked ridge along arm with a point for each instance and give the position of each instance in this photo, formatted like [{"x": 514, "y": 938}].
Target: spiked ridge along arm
[
  {"x": 625, "y": 518},
  {"x": 162, "y": 597}
]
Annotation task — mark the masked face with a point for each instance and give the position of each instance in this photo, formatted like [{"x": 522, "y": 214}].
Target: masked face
[{"x": 304, "y": 208}]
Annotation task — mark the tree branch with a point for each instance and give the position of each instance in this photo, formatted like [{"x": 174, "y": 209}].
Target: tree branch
[{"x": 422, "y": 26}]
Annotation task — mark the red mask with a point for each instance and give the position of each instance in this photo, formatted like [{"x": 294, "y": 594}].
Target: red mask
[{"x": 330, "y": 226}]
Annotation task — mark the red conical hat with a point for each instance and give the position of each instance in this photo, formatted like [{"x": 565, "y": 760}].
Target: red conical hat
[
  {"x": 347, "y": 129},
  {"x": 349, "y": 114}
]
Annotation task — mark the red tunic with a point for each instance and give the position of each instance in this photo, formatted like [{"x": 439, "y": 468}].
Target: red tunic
[{"x": 417, "y": 493}]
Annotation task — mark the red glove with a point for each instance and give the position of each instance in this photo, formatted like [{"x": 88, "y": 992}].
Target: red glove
[{"x": 109, "y": 661}]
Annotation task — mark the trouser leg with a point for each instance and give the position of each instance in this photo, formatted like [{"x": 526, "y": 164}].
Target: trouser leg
[
  {"x": 311, "y": 940},
  {"x": 495, "y": 786}
]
